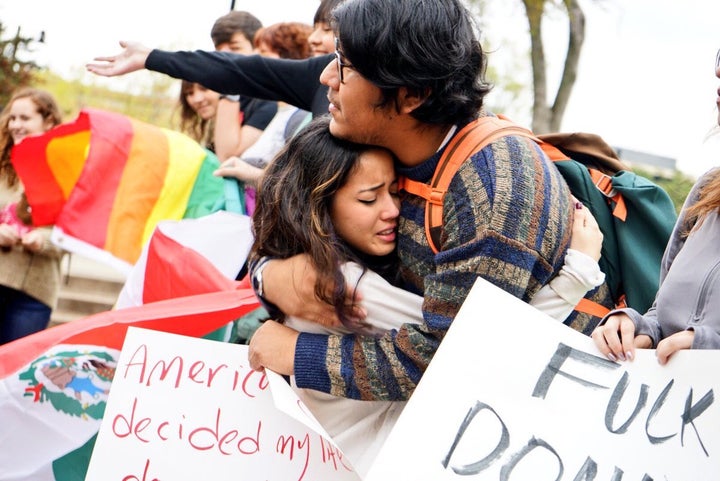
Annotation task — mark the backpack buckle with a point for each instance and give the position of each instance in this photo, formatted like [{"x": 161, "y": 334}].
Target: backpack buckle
[
  {"x": 436, "y": 197},
  {"x": 603, "y": 182}
]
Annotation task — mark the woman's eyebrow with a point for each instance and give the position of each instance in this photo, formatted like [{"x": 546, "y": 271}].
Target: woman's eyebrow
[{"x": 372, "y": 188}]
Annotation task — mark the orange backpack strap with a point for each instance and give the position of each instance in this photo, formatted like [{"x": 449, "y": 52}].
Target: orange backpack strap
[
  {"x": 471, "y": 139},
  {"x": 553, "y": 153},
  {"x": 591, "y": 307},
  {"x": 604, "y": 184},
  {"x": 602, "y": 180},
  {"x": 598, "y": 310}
]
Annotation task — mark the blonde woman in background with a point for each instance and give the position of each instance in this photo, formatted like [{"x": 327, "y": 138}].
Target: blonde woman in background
[
  {"x": 198, "y": 106},
  {"x": 29, "y": 262}
]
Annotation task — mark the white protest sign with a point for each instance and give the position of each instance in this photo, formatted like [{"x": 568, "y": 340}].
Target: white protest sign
[
  {"x": 287, "y": 401},
  {"x": 514, "y": 395},
  {"x": 183, "y": 408}
]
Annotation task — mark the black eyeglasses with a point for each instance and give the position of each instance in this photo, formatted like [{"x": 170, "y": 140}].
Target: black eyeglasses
[
  {"x": 340, "y": 63},
  {"x": 717, "y": 59}
]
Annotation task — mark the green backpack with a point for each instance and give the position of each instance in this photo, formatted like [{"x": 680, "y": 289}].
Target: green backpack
[{"x": 635, "y": 215}]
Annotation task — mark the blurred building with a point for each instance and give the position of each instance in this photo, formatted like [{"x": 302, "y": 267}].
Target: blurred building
[{"x": 657, "y": 165}]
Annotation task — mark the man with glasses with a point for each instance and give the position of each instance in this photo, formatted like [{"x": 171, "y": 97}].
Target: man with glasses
[
  {"x": 408, "y": 75},
  {"x": 341, "y": 62}
]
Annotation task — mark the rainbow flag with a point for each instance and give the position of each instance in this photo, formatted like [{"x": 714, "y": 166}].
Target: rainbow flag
[{"x": 105, "y": 180}]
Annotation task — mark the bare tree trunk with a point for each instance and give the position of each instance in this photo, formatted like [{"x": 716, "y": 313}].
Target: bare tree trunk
[
  {"x": 546, "y": 119},
  {"x": 541, "y": 111},
  {"x": 576, "y": 37}
]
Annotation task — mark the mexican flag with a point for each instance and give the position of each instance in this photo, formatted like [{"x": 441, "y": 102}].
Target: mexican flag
[
  {"x": 222, "y": 240},
  {"x": 54, "y": 384},
  {"x": 105, "y": 180}
]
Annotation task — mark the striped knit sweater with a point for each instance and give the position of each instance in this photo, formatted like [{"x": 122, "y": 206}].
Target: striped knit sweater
[{"x": 507, "y": 218}]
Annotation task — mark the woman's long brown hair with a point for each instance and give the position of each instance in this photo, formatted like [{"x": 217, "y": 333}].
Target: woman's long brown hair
[
  {"x": 197, "y": 128},
  {"x": 293, "y": 206},
  {"x": 708, "y": 201},
  {"x": 48, "y": 109}
]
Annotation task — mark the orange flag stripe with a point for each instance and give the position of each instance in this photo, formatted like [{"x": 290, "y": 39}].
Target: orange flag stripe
[{"x": 141, "y": 181}]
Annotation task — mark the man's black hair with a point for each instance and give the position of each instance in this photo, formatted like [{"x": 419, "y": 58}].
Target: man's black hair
[{"x": 428, "y": 46}]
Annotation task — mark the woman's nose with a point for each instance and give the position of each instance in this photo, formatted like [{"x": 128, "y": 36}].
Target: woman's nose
[{"x": 391, "y": 208}]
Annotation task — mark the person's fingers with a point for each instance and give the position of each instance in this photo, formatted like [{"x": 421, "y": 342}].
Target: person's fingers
[
  {"x": 229, "y": 162},
  {"x": 672, "y": 344},
  {"x": 272, "y": 346},
  {"x": 327, "y": 316},
  {"x": 615, "y": 337},
  {"x": 578, "y": 222},
  {"x": 666, "y": 348},
  {"x": 611, "y": 332},
  {"x": 223, "y": 172},
  {"x": 253, "y": 357},
  {"x": 583, "y": 217},
  {"x": 229, "y": 168},
  {"x": 603, "y": 341},
  {"x": 627, "y": 337},
  {"x": 8, "y": 235}
]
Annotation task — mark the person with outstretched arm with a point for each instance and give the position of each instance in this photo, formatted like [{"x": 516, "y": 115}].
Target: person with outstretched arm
[{"x": 296, "y": 82}]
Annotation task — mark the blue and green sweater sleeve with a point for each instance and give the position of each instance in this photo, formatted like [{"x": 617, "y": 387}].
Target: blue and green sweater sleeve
[{"x": 507, "y": 218}]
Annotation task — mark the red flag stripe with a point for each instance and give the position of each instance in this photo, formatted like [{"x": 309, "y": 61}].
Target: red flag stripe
[{"x": 190, "y": 316}]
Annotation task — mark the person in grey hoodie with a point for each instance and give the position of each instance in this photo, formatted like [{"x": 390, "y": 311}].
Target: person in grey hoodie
[{"x": 686, "y": 311}]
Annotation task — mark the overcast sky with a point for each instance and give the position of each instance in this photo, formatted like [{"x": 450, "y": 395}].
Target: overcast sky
[{"x": 646, "y": 78}]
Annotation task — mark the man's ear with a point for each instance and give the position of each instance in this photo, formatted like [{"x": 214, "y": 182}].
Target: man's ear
[{"x": 410, "y": 99}]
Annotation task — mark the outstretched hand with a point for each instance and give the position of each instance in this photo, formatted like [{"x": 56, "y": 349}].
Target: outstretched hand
[{"x": 131, "y": 59}]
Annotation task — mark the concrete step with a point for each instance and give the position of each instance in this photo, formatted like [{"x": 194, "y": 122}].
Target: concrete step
[
  {"x": 74, "y": 303},
  {"x": 87, "y": 288},
  {"x": 60, "y": 316},
  {"x": 75, "y": 284},
  {"x": 83, "y": 268},
  {"x": 87, "y": 301}
]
